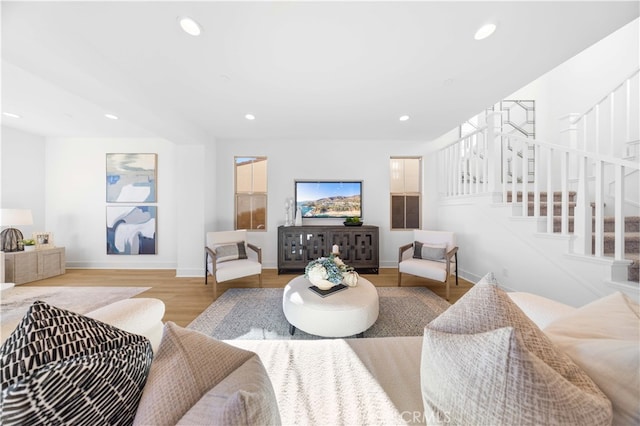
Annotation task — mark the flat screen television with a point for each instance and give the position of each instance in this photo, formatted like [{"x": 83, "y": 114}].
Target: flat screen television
[{"x": 329, "y": 198}]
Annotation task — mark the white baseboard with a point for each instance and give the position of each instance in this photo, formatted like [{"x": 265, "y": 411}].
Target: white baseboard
[
  {"x": 190, "y": 273},
  {"x": 120, "y": 265}
]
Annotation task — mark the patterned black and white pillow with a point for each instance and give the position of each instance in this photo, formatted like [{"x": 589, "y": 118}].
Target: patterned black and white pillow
[
  {"x": 230, "y": 251},
  {"x": 63, "y": 368}
]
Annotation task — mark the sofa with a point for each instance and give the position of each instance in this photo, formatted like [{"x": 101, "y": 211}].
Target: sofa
[
  {"x": 383, "y": 380},
  {"x": 491, "y": 358}
]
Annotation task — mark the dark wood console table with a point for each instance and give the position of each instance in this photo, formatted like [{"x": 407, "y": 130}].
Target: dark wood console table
[{"x": 298, "y": 245}]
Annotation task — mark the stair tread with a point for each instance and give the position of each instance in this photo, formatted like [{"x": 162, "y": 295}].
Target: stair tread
[
  {"x": 629, "y": 234},
  {"x": 635, "y": 257},
  {"x": 609, "y": 218}
]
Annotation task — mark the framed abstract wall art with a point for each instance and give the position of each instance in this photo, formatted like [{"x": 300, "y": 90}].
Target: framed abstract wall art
[
  {"x": 131, "y": 178},
  {"x": 131, "y": 230}
]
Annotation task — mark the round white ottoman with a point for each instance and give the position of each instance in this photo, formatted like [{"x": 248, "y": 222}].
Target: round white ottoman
[{"x": 346, "y": 313}]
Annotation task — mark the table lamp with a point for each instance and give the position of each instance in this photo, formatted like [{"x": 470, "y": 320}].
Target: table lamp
[{"x": 10, "y": 237}]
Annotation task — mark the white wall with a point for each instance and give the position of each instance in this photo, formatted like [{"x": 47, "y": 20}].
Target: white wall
[
  {"x": 577, "y": 84},
  {"x": 189, "y": 205},
  {"x": 76, "y": 206},
  {"x": 290, "y": 160},
  {"x": 22, "y": 166}
]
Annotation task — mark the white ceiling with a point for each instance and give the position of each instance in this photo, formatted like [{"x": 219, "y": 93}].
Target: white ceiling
[{"x": 306, "y": 70}]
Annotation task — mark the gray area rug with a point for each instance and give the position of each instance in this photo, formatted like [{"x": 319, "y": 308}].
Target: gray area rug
[
  {"x": 15, "y": 301},
  {"x": 256, "y": 314}
]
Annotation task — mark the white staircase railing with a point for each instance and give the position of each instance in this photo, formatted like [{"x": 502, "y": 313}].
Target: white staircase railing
[{"x": 490, "y": 162}]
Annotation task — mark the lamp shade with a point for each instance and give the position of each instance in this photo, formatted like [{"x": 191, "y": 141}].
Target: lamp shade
[{"x": 14, "y": 217}]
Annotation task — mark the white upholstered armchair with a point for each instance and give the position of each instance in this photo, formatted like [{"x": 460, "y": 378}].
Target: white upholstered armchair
[
  {"x": 227, "y": 258},
  {"x": 430, "y": 255}
]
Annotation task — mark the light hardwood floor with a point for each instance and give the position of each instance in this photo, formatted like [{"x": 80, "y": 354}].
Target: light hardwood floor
[{"x": 186, "y": 298}]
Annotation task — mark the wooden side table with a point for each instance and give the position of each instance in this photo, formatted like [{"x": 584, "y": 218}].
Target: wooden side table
[{"x": 25, "y": 266}]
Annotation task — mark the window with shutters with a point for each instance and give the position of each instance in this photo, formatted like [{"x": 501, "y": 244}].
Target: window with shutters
[
  {"x": 251, "y": 193},
  {"x": 406, "y": 192}
]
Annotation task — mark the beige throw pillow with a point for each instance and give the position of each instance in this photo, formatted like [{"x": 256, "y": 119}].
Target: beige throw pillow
[
  {"x": 230, "y": 251},
  {"x": 426, "y": 251},
  {"x": 603, "y": 338},
  {"x": 244, "y": 397},
  {"x": 188, "y": 364},
  {"x": 485, "y": 362}
]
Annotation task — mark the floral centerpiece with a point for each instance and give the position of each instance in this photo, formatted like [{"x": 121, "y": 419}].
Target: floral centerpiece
[{"x": 326, "y": 272}]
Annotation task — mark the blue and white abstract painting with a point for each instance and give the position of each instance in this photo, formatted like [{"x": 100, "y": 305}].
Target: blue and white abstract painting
[
  {"x": 131, "y": 229},
  {"x": 131, "y": 178}
]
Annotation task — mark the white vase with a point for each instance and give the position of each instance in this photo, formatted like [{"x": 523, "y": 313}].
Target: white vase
[
  {"x": 350, "y": 278},
  {"x": 29, "y": 248},
  {"x": 321, "y": 284},
  {"x": 298, "y": 217}
]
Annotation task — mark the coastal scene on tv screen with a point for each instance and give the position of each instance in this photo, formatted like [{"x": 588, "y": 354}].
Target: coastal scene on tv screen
[{"x": 329, "y": 199}]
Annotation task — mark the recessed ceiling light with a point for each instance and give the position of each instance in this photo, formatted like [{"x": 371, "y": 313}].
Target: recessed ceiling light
[
  {"x": 404, "y": 118},
  {"x": 190, "y": 26},
  {"x": 111, "y": 116},
  {"x": 485, "y": 31},
  {"x": 12, "y": 115},
  {"x": 250, "y": 117}
]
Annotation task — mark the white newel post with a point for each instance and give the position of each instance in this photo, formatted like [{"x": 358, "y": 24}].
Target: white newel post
[
  {"x": 582, "y": 214},
  {"x": 578, "y": 169},
  {"x": 494, "y": 148}
]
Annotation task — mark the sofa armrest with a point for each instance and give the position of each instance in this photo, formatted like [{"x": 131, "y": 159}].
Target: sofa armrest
[
  {"x": 541, "y": 310},
  {"x": 258, "y": 251},
  {"x": 141, "y": 316},
  {"x": 210, "y": 253},
  {"x": 402, "y": 250}
]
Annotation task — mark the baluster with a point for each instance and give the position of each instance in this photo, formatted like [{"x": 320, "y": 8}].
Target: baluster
[
  {"x": 470, "y": 165},
  {"x": 627, "y": 133},
  {"x": 525, "y": 179},
  {"x": 599, "y": 200},
  {"x": 485, "y": 161},
  {"x": 469, "y": 159},
  {"x": 582, "y": 214},
  {"x": 619, "y": 212},
  {"x": 449, "y": 171},
  {"x": 504, "y": 172},
  {"x": 461, "y": 176},
  {"x": 550, "y": 191},
  {"x": 612, "y": 141},
  {"x": 564, "y": 183},
  {"x": 452, "y": 171},
  {"x": 514, "y": 169},
  {"x": 465, "y": 167},
  {"x": 475, "y": 164},
  {"x": 536, "y": 179},
  {"x": 456, "y": 187}
]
